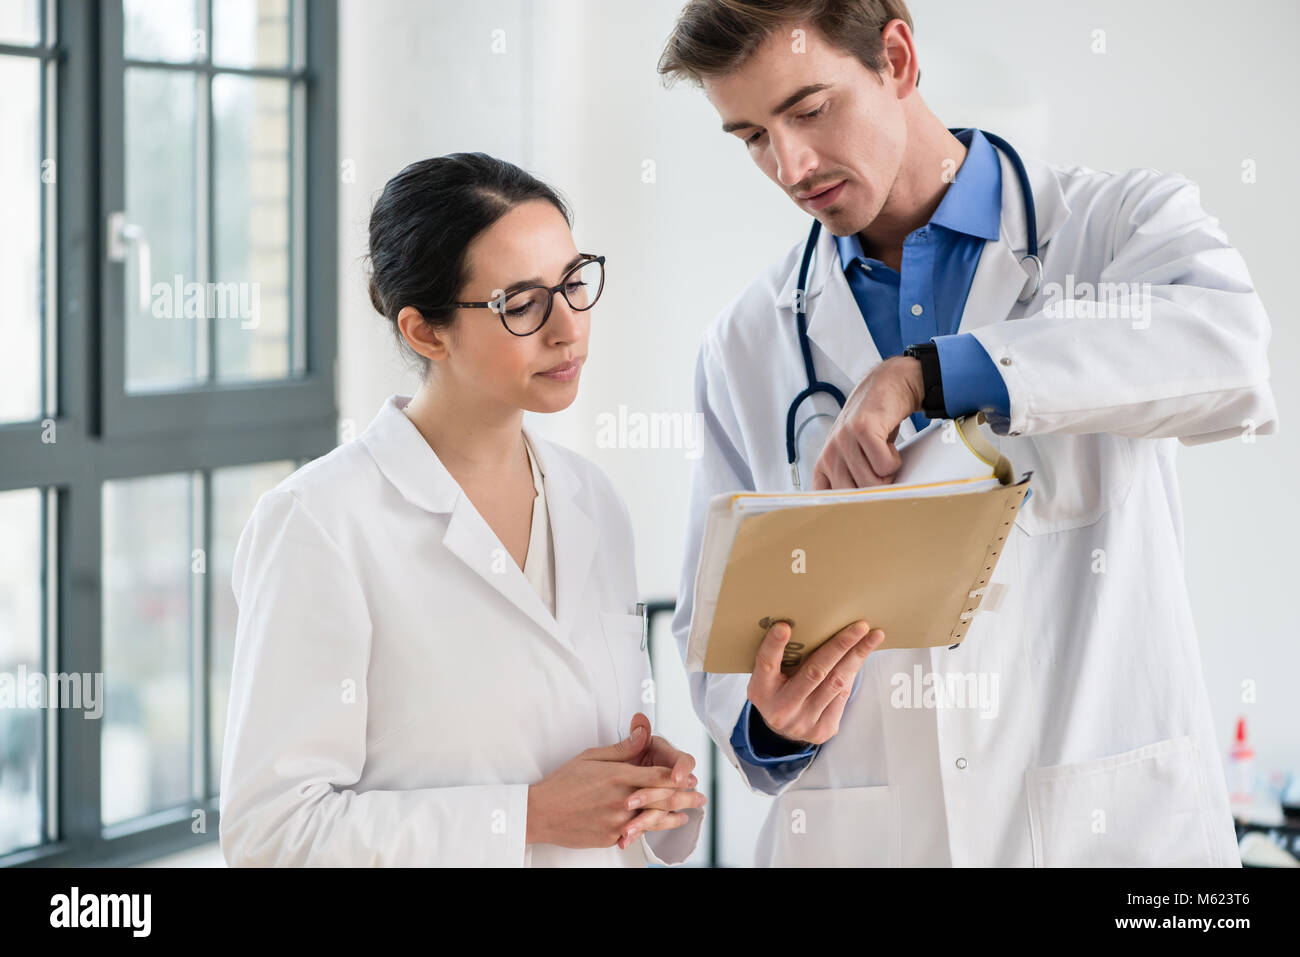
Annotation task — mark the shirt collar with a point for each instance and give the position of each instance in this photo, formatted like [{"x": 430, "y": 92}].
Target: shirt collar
[
  {"x": 972, "y": 204},
  {"x": 850, "y": 248},
  {"x": 410, "y": 464}
]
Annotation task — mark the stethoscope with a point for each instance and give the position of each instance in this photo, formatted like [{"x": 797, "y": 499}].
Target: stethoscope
[{"x": 815, "y": 385}]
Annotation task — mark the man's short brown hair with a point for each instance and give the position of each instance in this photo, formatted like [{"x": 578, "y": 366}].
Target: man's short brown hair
[{"x": 715, "y": 37}]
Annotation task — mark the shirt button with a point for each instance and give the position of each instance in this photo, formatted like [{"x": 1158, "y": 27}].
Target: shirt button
[
  {"x": 961, "y": 764},
  {"x": 916, "y": 309},
  {"x": 1005, "y": 360}
]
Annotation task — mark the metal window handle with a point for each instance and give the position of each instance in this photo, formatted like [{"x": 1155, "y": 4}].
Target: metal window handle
[{"x": 121, "y": 236}]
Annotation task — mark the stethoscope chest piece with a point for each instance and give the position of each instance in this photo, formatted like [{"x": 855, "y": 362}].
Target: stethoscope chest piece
[{"x": 1033, "y": 267}]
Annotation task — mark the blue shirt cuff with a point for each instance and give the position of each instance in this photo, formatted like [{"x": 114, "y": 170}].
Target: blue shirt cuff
[
  {"x": 971, "y": 380},
  {"x": 754, "y": 742}
]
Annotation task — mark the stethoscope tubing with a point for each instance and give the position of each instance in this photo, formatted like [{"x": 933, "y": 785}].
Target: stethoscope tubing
[{"x": 816, "y": 385}]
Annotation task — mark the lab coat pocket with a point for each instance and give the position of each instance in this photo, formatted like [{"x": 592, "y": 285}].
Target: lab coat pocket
[
  {"x": 1141, "y": 808},
  {"x": 632, "y": 667},
  {"x": 1077, "y": 478},
  {"x": 836, "y": 827}
]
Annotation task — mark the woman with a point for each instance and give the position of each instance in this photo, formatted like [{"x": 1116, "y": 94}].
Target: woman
[{"x": 438, "y": 660}]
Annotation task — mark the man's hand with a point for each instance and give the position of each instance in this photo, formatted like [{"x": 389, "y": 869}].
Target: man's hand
[
  {"x": 860, "y": 451},
  {"x": 807, "y": 706}
]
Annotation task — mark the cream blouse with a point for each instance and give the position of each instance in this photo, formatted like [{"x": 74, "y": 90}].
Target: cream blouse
[{"x": 538, "y": 567}]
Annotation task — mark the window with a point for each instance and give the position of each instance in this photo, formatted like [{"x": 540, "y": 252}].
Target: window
[
  {"x": 27, "y": 76},
  {"x": 210, "y": 230},
  {"x": 167, "y": 301}
]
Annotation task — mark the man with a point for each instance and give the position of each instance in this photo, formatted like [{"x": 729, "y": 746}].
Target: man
[{"x": 1100, "y": 747}]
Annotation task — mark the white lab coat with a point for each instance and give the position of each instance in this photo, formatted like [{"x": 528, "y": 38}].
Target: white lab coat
[
  {"x": 1103, "y": 749},
  {"x": 398, "y": 683}
]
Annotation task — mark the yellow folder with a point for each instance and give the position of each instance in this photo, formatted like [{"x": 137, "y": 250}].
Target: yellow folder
[{"x": 914, "y": 558}]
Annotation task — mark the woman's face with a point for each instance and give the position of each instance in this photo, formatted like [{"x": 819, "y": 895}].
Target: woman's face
[{"x": 539, "y": 372}]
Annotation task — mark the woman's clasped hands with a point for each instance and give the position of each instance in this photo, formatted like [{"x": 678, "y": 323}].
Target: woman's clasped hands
[{"x": 612, "y": 795}]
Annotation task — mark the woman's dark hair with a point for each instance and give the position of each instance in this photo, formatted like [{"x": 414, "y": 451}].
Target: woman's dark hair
[{"x": 424, "y": 221}]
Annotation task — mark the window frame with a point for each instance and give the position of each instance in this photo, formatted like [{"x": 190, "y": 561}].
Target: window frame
[{"x": 103, "y": 434}]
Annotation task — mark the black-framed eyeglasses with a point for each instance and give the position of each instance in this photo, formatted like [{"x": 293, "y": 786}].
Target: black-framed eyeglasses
[{"x": 526, "y": 310}]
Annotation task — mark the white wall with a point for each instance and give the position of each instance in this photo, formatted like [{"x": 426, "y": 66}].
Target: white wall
[{"x": 1195, "y": 87}]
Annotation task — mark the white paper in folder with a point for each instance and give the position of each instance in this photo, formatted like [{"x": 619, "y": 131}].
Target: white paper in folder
[
  {"x": 935, "y": 461},
  {"x": 938, "y": 454}
]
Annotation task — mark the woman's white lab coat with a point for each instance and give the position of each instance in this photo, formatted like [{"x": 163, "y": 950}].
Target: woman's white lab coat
[{"x": 398, "y": 684}]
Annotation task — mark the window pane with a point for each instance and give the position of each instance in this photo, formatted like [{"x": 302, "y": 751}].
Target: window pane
[
  {"x": 20, "y": 240},
  {"x": 147, "y": 582},
  {"x": 251, "y": 220},
  {"x": 250, "y": 32},
  {"x": 165, "y": 30},
  {"x": 19, "y": 23},
  {"x": 165, "y": 336},
  {"x": 21, "y": 596},
  {"x": 234, "y": 493}
]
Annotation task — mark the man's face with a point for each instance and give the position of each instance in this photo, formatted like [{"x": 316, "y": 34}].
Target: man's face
[{"x": 817, "y": 121}]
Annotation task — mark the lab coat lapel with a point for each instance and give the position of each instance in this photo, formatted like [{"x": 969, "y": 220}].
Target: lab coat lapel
[
  {"x": 573, "y": 530},
  {"x": 998, "y": 280},
  {"x": 835, "y": 324},
  {"x": 999, "y": 277},
  {"x": 408, "y": 462},
  {"x": 471, "y": 539}
]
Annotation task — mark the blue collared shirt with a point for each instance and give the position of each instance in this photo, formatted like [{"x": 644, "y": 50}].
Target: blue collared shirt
[
  {"x": 926, "y": 299},
  {"x": 923, "y": 301}
]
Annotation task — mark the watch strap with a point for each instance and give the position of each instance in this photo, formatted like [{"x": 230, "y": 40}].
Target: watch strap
[{"x": 927, "y": 353}]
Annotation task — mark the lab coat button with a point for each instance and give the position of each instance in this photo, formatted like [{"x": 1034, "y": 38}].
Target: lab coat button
[
  {"x": 961, "y": 764},
  {"x": 1005, "y": 360},
  {"x": 916, "y": 309}
]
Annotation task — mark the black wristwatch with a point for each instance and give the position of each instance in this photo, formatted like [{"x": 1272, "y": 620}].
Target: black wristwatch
[{"x": 927, "y": 353}]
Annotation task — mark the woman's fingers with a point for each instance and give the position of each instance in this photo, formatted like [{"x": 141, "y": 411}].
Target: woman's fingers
[
  {"x": 652, "y": 819},
  {"x": 664, "y": 755},
  {"x": 626, "y": 750},
  {"x": 665, "y": 799},
  {"x": 651, "y": 776}
]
